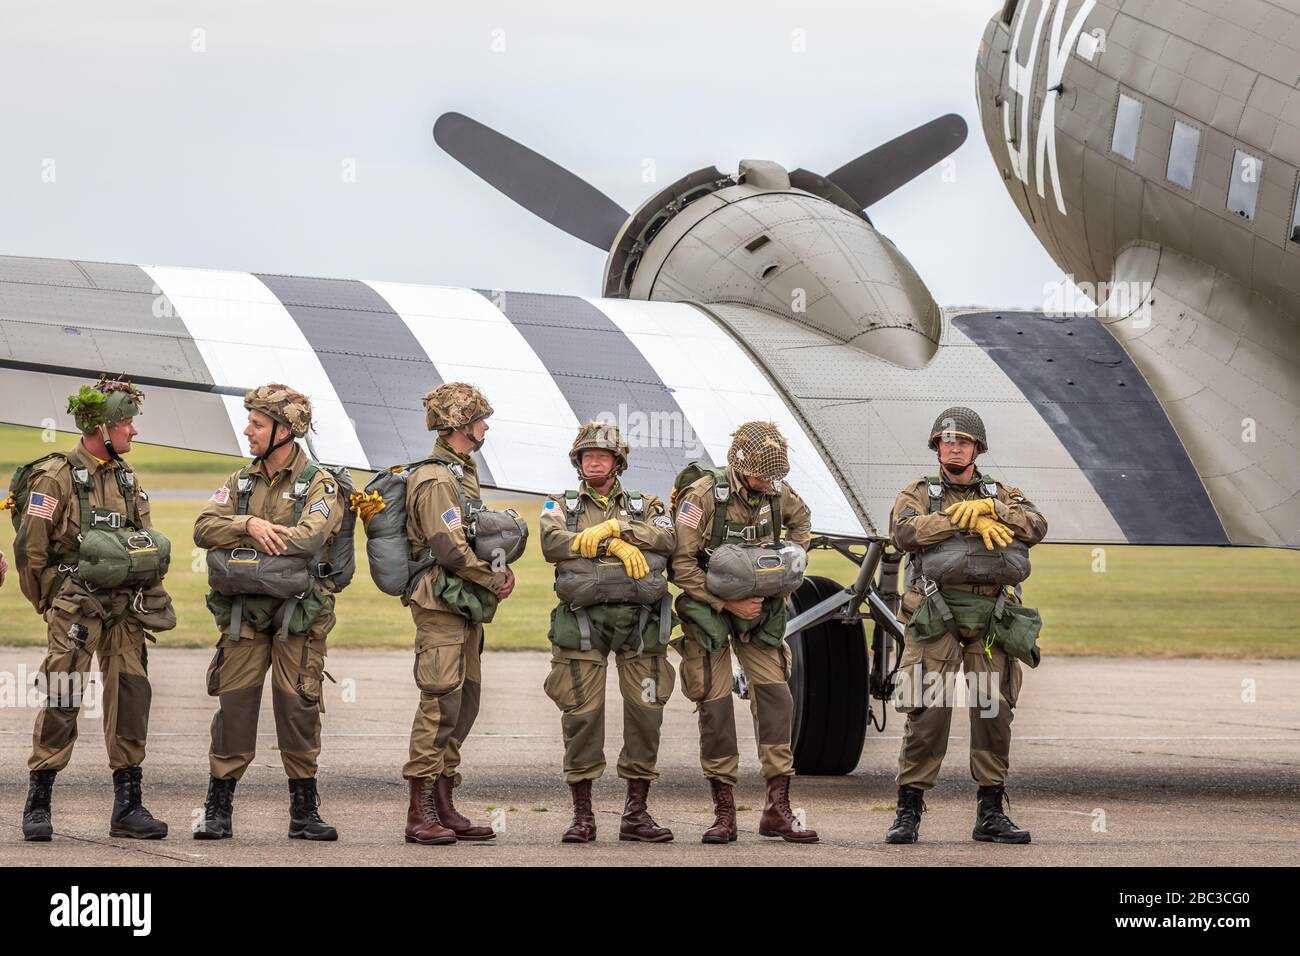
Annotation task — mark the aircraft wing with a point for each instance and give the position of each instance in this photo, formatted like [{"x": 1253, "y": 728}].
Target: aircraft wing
[{"x": 1071, "y": 420}]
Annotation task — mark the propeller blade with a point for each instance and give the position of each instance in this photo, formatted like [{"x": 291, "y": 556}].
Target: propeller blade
[
  {"x": 530, "y": 179},
  {"x": 874, "y": 175}
]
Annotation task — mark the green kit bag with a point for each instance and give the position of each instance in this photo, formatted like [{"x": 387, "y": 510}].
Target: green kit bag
[
  {"x": 472, "y": 601},
  {"x": 1016, "y": 629}
]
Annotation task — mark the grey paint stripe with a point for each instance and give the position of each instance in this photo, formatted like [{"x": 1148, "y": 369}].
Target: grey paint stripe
[
  {"x": 117, "y": 324},
  {"x": 602, "y": 374},
  {"x": 1070, "y": 368},
  {"x": 377, "y": 367}
]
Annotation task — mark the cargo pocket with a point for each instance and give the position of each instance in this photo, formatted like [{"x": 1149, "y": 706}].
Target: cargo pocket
[
  {"x": 694, "y": 669},
  {"x": 214, "y": 672},
  {"x": 909, "y": 683},
  {"x": 561, "y": 685},
  {"x": 310, "y": 670},
  {"x": 440, "y": 668},
  {"x": 1013, "y": 677}
]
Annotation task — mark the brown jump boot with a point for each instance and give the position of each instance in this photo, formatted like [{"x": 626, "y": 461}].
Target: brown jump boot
[
  {"x": 583, "y": 827},
  {"x": 422, "y": 824},
  {"x": 452, "y": 818},
  {"x": 778, "y": 819},
  {"x": 637, "y": 823},
  {"x": 724, "y": 815}
]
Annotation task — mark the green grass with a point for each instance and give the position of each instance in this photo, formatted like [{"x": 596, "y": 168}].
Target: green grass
[{"x": 1152, "y": 602}]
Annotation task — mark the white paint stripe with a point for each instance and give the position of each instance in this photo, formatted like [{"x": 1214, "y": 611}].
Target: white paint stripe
[
  {"x": 468, "y": 339},
  {"x": 718, "y": 388},
  {"x": 247, "y": 338}
]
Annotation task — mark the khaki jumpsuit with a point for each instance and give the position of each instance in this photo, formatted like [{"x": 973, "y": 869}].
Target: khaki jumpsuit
[
  {"x": 448, "y": 646},
  {"x": 925, "y": 738},
  {"x": 576, "y": 682},
  {"x": 80, "y": 622},
  {"x": 706, "y": 677},
  {"x": 237, "y": 673}
]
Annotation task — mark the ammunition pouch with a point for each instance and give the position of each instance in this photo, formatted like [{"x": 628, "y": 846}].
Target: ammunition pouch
[
  {"x": 712, "y": 629},
  {"x": 968, "y": 616},
  {"x": 614, "y": 627}
]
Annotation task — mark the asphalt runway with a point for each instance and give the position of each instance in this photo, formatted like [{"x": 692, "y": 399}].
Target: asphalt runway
[{"x": 1115, "y": 762}]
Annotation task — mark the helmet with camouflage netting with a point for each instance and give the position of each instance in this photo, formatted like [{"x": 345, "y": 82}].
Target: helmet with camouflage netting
[{"x": 760, "y": 450}]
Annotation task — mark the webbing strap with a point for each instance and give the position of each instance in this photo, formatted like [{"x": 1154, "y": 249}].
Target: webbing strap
[
  {"x": 571, "y": 506},
  {"x": 665, "y": 618},
  {"x": 584, "y": 628}
]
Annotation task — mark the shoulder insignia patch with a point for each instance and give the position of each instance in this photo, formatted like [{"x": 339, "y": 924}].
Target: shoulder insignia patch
[
  {"x": 221, "y": 495},
  {"x": 330, "y": 488},
  {"x": 663, "y": 521}
]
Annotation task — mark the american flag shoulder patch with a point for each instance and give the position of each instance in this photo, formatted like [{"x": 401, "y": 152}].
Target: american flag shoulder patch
[
  {"x": 451, "y": 518},
  {"x": 689, "y": 514},
  {"x": 40, "y": 505},
  {"x": 221, "y": 495}
]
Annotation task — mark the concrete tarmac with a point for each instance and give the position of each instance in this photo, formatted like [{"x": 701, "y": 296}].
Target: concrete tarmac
[{"x": 1115, "y": 762}]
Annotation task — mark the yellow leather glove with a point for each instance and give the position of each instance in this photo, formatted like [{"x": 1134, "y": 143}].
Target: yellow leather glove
[
  {"x": 588, "y": 541},
  {"x": 964, "y": 513},
  {"x": 993, "y": 532},
  {"x": 634, "y": 562}
]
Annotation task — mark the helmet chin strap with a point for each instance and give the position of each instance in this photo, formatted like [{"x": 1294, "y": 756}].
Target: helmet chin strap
[
  {"x": 108, "y": 444},
  {"x": 272, "y": 444},
  {"x": 467, "y": 432}
]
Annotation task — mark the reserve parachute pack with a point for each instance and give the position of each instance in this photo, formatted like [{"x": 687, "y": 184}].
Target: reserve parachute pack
[
  {"x": 113, "y": 549},
  {"x": 279, "y": 591},
  {"x": 963, "y": 559},
  {"x": 739, "y": 561},
  {"x": 494, "y": 535},
  {"x": 601, "y": 596}
]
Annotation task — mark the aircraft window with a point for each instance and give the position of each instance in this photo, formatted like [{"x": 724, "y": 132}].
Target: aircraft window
[
  {"x": 1295, "y": 223},
  {"x": 1243, "y": 189},
  {"x": 1009, "y": 11},
  {"x": 1128, "y": 120},
  {"x": 1182, "y": 154}
]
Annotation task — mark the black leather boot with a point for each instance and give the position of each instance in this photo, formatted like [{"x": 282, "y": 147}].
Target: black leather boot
[
  {"x": 37, "y": 825},
  {"x": 304, "y": 822},
  {"x": 907, "y": 822},
  {"x": 218, "y": 809},
  {"x": 130, "y": 817},
  {"x": 991, "y": 824}
]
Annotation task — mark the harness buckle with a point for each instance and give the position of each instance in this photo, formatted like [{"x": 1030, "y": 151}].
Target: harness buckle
[
  {"x": 114, "y": 519},
  {"x": 928, "y": 587}
]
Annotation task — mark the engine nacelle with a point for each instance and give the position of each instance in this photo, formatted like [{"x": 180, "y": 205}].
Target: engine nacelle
[{"x": 790, "y": 244}]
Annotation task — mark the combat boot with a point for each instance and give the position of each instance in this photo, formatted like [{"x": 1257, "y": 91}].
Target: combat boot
[
  {"x": 130, "y": 818},
  {"x": 724, "y": 814},
  {"x": 422, "y": 825},
  {"x": 907, "y": 822},
  {"x": 37, "y": 825},
  {"x": 637, "y": 823},
  {"x": 452, "y": 818},
  {"x": 778, "y": 819},
  {"x": 991, "y": 824},
  {"x": 305, "y": 822},
  {"x": 583, "y": 827},
  {"x": 218, "y": 811}
]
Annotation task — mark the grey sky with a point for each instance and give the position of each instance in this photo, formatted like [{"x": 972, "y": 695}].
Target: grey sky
[{"x": 233, "y": 158}]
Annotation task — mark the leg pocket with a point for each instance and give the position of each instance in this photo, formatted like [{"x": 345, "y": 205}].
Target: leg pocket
[
  {"x": 214, "y": 672},
  {"x": 561, "y": 685},
  {"x": 440, "y": 668},
  {"x": 694, "y": 669},
  {"x": 311, "y": 669}
]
